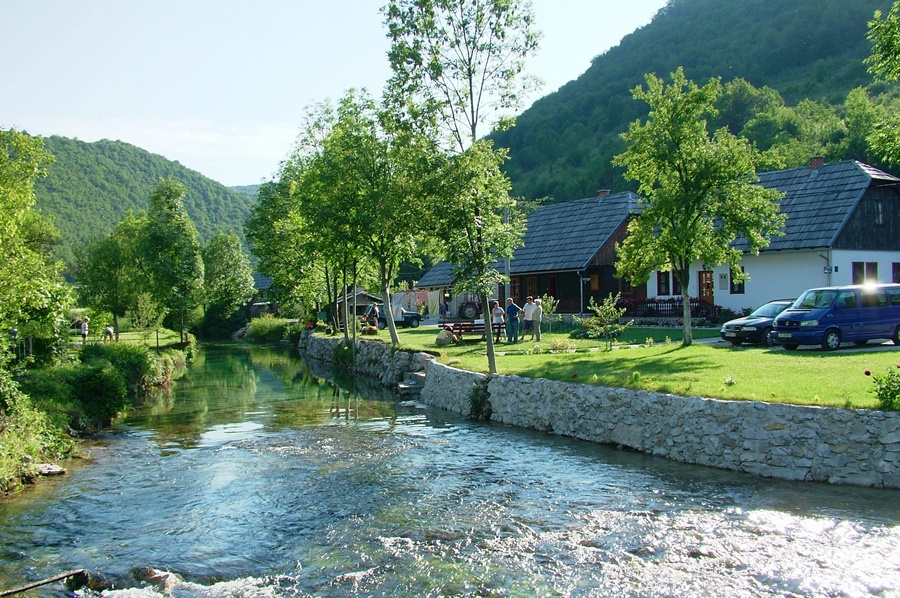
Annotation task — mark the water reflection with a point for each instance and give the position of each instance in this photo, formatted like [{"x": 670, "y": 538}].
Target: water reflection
[{"x": 261, "y": 478}]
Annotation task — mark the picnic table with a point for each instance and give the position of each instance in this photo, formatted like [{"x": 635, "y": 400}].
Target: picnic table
[{"x": 477, "y": 329}]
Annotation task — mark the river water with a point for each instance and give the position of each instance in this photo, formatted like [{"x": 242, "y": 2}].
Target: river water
[{"x": 257, "y": 479}]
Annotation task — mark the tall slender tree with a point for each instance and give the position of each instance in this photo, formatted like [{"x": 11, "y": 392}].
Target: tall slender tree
[
  {"x": 460, "y": 64},
  {"x": 171, "y": 253}
]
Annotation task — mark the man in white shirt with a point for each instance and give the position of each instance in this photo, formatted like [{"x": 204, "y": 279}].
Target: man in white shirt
[{"x": 528, "y": 317}]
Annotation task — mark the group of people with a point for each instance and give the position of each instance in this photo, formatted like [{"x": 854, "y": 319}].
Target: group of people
[{"x": 530, "y": 315}]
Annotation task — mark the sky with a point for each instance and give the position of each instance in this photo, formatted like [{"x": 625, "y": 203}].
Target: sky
[{"x": 222, "y": 86}]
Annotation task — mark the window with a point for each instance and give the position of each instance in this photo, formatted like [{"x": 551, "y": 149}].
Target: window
[
  {"x": 736, "y": 289},
  {"x": 864, "y": 272},
  {"x": 595, "y": 281},
  {"x": 896, "y": 273},
  {"x": 531, "y": 286},
  {"x": 676, "y": 285},
  {"x": 625, "y": 286},
  {"x": 879, "y": 213},
  {"x": 515, "y": 287},
  {"x": 874, "y": 298},
  {"x": 662, "y": 283}
]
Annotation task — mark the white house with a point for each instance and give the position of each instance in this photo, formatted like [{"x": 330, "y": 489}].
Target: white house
[{"x": 843, "y": 227}]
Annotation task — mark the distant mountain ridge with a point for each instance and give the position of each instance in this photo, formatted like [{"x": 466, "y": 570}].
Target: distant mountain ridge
[
  {"x": 561, "y": 147},
  {"x": 91, "y": 186}
]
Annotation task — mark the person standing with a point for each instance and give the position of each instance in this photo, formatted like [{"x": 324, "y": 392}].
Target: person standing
[
  {"x": 528, "y": 317},
  {"x": 84, "y": 330},
  {"x": 538, "y": 317},
  {"x": 512, "y": 321},
  {"x": 497, "y": 317}
]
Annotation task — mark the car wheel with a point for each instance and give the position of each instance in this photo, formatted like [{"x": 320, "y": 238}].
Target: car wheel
[
  {"x": 896, "y": 338},
  {"x": 382, "y": 324},
  {"x": 832, "y": 339},
  {"x": 414, "y": 323},
  {"x": 767, "y": 338},
  {"x": 790, "y": 347},
  {"x": 860, "y": 343},
  {"x": 468, "y": 311}
]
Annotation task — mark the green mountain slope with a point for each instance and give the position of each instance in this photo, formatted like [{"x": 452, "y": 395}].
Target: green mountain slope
[
  {"x": 561, "y": 147},
  {"x": 91, "y": 186}
]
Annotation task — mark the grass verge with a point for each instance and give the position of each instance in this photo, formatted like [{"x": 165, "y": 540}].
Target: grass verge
[{"x": 804, "y": 377}]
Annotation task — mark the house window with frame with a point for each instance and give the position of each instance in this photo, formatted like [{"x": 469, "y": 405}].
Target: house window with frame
[
  {"x": 864, "y": 272},
  {"x": 895, "y": 275},
  {"x": 625, "y": 286},
  {"x": 736, "y": 288},
  {"x": 676, "y": 285},
  {"x": 595, "y": 282},
  {"x": 662, "y": 283},
  {"x": 879, "y": 213}
]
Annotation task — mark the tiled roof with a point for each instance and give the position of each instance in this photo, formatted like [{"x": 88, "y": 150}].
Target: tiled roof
[
  {"x": 819, "y": 202},
  {"x": 559, "y": 237},
  {"x": 566, "y": 236}
]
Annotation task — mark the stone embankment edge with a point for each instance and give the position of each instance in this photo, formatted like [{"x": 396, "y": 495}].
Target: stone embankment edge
[{"x": 838, "y": 446}]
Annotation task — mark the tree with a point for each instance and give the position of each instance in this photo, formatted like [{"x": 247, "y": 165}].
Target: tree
[
  {"x": 227, "y": 279},
  {"x": 699, "y": 192},
  {"x": 171, "y": 252},
  {"x": 371, "y": 174},
  {"x": 33, "y": 296},
  {"x": 107, "y": 272},
  {"x": 884, "y": 63},
  {"x": 460, "y": 64}
]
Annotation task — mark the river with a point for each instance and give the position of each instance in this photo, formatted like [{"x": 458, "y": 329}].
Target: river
[{"x": 257, "y": 479}]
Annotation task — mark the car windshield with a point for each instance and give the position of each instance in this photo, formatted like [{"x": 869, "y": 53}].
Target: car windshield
[
  {"x": 769, "y": 310},
  {"x": 815, "y": 299}
]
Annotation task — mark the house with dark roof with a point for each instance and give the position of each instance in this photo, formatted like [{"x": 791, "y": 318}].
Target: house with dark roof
[
  {"x": 568, "y": 253},
  {"x": 843, "y": 227}
]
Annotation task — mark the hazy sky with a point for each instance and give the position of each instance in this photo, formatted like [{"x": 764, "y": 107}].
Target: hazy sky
[{"x": 222, "y": 85}]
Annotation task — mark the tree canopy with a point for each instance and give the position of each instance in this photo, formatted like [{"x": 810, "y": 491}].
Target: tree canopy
[{"x": 698, "y": 191}]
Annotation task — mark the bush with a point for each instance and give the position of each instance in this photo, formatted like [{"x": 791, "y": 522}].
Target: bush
[
  {"x": 101, "y": 390},
  {"x": 267, "y": 329},
  {"x": 887, "y": 389},
  {"x": 134, "y": 362}
]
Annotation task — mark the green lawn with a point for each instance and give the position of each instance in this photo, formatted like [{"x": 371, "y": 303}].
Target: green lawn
[
  {"x": 166, "y": 337},
  {"x": 805, "y": 377}
]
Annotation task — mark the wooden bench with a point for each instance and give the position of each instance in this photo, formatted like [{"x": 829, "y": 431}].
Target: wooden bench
[{"x": 461, "y": 329}]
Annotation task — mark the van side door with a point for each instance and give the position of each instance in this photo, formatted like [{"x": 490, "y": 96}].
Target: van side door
[
  {"x": 874, "y": 314},
  {"x": 844, "y": 315}
]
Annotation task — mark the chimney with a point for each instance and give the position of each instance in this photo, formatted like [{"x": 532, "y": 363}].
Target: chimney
[
  {"x": 816, "y": 162},
  {"x": 602, "y": 193}
]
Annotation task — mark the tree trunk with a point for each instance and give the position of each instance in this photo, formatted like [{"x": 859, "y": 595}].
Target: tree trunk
[
  {"x": 345, "y": 309},
  {"x": 489, "y": 335},
  {"x": 116, "y": 325},
  {"x": 388, "y": 314},
  {"x": 686, "y": 314}
]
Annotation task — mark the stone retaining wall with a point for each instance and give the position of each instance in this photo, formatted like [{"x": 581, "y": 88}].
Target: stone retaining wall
[
  {"x": 838, "y": 446},
  {"x": 374, "y": 359},
  {"x": 832, "y": 445}
]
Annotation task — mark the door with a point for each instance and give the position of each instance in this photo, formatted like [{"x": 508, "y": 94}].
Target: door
[{"x": 707, "y": 289}]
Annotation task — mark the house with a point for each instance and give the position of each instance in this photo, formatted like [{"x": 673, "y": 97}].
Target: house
[
  {"x": 843, "y": 227},
  {"x": 568, "y": 253}
]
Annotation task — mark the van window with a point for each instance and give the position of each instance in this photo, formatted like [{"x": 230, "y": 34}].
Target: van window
[
  {"x": 873, "y": 298},
  {"x": 846, "y": 300},
  {"x": 894, "y": 294}
]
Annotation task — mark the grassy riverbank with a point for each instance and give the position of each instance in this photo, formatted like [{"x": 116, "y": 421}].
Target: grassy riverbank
[
  {"x": 43, "y": 407},
  {"x": 804, "y": 377}
]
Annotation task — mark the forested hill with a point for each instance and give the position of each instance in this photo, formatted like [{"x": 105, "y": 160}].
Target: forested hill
[
  {"x": 561, "y": 147},
  {"x": 91, "y": 186}
]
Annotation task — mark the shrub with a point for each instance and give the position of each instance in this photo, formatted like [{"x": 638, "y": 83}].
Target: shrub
[
  {"x": 133, "y": 361},
  {"x": 101, "y": 390},
  {"x": 267, "y": 329},
  {"x": 887, "y": 389}
]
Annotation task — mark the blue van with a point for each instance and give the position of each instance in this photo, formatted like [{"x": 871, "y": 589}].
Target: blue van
[{"x": 829, "y": 316}]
